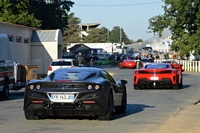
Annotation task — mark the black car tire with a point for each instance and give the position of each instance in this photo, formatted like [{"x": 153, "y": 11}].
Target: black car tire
[
  {"x": 31, "y": 116},
  {"x": 108, "y": 115},
  {"x": 5, "y": 93},
  {"x": 175, "y": 87},
  {"x": 136, "y": 87},
  {"x": 181, "y": 83},
  {"x": 124, "y": 102}
]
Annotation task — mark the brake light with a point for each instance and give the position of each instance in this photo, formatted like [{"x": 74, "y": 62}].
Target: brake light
[{"x": 50, "y": 68}]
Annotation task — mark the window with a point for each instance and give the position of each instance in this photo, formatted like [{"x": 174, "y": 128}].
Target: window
[
  {"x": 107, "y": 76},
  {"x": 26, "y": 40},
  {"x": 10, "y": 38},
  {"x": 18, "y": 39}
]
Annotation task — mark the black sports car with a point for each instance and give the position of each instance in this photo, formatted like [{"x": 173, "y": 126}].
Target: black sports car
[{"x": 75, "y": 92}]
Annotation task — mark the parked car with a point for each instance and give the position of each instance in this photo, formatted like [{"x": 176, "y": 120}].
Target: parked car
[
  {"x": 102, "y": 61},
  {"x": 145, "y": 61},
  {"x": 7, "y": 79},
  {"x": 61, "y": 63},
  {"x": 157, "y": 75},
  {"x": 79, "y": 91},
  {"x": 128, "y": 63}
]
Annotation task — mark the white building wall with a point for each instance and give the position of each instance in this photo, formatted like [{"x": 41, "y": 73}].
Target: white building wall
[
  {"x": 20, "y": 50},
  {"x": 34, "y": 53}
]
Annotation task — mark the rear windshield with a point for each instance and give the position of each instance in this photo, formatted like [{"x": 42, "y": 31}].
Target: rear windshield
[
  {"x": 61, "y": 63},
  {"x": 63, "y": 75},
  {"x": 156, "y": 66}
]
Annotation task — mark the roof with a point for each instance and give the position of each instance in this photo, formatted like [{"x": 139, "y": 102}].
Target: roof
[
  {"x": 44, "y": 36},
  {"x": 17, "y": 25},
  {"x": 91, "y": 24},
  {"x": 63, "y": 59},
  {"x": 79, "y": 48}
]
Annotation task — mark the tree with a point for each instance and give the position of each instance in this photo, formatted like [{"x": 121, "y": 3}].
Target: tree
[
  {"x": 53, "y": 14},
  {"x": 117, "y": 35},
  {"x": 96, "y": 35},
  {"x": 139, "y": 40},
  {"x": 71, "y": 33},
  {"x": 36, "y": 13},
  {"x": 182, "y": 18},
  {"x": 17, "y": 12}
]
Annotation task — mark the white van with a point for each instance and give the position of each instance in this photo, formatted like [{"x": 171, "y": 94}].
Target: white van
[{"x": 6, "y": 67}]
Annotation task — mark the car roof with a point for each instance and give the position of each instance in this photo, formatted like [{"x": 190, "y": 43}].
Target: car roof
[
  {"x": 63, "y": 59},
  {"x": 80, "y": 69}
]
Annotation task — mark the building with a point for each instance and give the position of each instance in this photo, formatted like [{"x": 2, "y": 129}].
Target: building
[
  {"x": 87, "y": 27},
  {"x": 33, "y": 46}
]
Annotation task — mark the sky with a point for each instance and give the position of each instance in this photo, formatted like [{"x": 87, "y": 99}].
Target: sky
[{"x": 131, "y": 15}]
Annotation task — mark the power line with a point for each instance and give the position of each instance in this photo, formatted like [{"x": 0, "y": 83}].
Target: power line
[{"x": 123, "y": 4}]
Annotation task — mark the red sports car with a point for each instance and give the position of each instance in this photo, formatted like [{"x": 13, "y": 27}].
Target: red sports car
[
  {"x": 176, "y": 65},
  {"x": 157, "y": 75},
  {"x": 128, "y": 63}
]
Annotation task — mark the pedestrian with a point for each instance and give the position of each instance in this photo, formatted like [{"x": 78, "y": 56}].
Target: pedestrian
[
  {"x": 91, "y": 61},
  {"x": 80, "y": 60}
]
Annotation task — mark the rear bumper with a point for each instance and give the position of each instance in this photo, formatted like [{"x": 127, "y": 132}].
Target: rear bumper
[
  {"x": 162, "y": 83},
  {"x": 79, "y": 107}
]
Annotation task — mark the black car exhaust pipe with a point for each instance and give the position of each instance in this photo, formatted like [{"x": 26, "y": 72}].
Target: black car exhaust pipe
[{"x": 46, "y": 105}]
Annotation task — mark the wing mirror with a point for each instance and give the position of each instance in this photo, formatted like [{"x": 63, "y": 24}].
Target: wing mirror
[{"x": 123, "y": 82}]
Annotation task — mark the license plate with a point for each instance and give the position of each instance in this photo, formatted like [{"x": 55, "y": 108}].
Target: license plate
[
  {"x": 62, "y": 97},
  {"x": 153, "y": 78}
]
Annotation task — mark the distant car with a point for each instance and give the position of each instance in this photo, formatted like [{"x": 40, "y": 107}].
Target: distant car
[
  {"x": 102, "y": 62},
  {"x": 61, "y": 63},
  {"x": 128, "y": 63},
  {"x": 145, "y": 61},
  {"x": 157, "y": 75},
  {"x": 175, "y": 64},
  {"x": 79, "y": 91}
]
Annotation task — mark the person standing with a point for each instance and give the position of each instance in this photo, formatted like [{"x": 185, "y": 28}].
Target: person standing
[{"x": 80, "y": 60}]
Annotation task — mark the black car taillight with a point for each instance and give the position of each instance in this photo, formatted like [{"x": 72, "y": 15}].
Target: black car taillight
[
  {"x": 95, "y": 87},
  {"x": 37, "y": 87}
]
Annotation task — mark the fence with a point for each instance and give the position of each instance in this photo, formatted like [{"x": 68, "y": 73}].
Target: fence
[{"x": 187, "y": 65}]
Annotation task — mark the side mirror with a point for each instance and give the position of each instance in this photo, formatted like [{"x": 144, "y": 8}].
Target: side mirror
[
  {"x": 123, "y": 82},
  {"x": 183, "y": 70}
]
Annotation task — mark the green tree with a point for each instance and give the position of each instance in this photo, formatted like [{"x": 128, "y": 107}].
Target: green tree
[
  {"x": 17, "y": 12},
  {"x": 139, "y": 40},
  {"x": 183, "y": 19},
  {"x": 53, "y": 14},
  {"x": 71, "y": 33},
  {"x": 36, "y": 13},
  {"x": 117, "y": 35},
  {"x": 96, "y": 35}
]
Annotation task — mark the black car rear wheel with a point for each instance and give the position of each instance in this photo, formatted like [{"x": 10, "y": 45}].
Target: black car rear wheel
[
  {"x": 136, "y": 87},
  {"x": 181, "y": 83},
  {"x": 176, "y": 86},
  {"x": 108, "y": 115},
  {"x": 124, "y": 103},
  {"x": 5, "y": 93},
  {"x": 31, "y": 116}
]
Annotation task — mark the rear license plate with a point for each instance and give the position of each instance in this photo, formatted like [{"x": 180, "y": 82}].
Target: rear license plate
[
  {"x": 62, "y": 97},
  {"x": 154, "y": 78}
]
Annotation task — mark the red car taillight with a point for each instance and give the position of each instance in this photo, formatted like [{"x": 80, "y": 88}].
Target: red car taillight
[{"x": 50, "y": 68}]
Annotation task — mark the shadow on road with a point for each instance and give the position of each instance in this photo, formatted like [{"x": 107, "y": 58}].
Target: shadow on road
[
  {"x": 132, "y": 109},
  {"x": 19, "y": 94}
]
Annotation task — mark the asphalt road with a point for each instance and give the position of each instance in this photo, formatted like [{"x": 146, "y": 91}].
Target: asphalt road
[{"x": 147, "y": 110}]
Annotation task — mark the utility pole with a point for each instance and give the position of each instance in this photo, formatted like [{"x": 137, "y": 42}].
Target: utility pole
[{"x": 108, "y": 36}]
